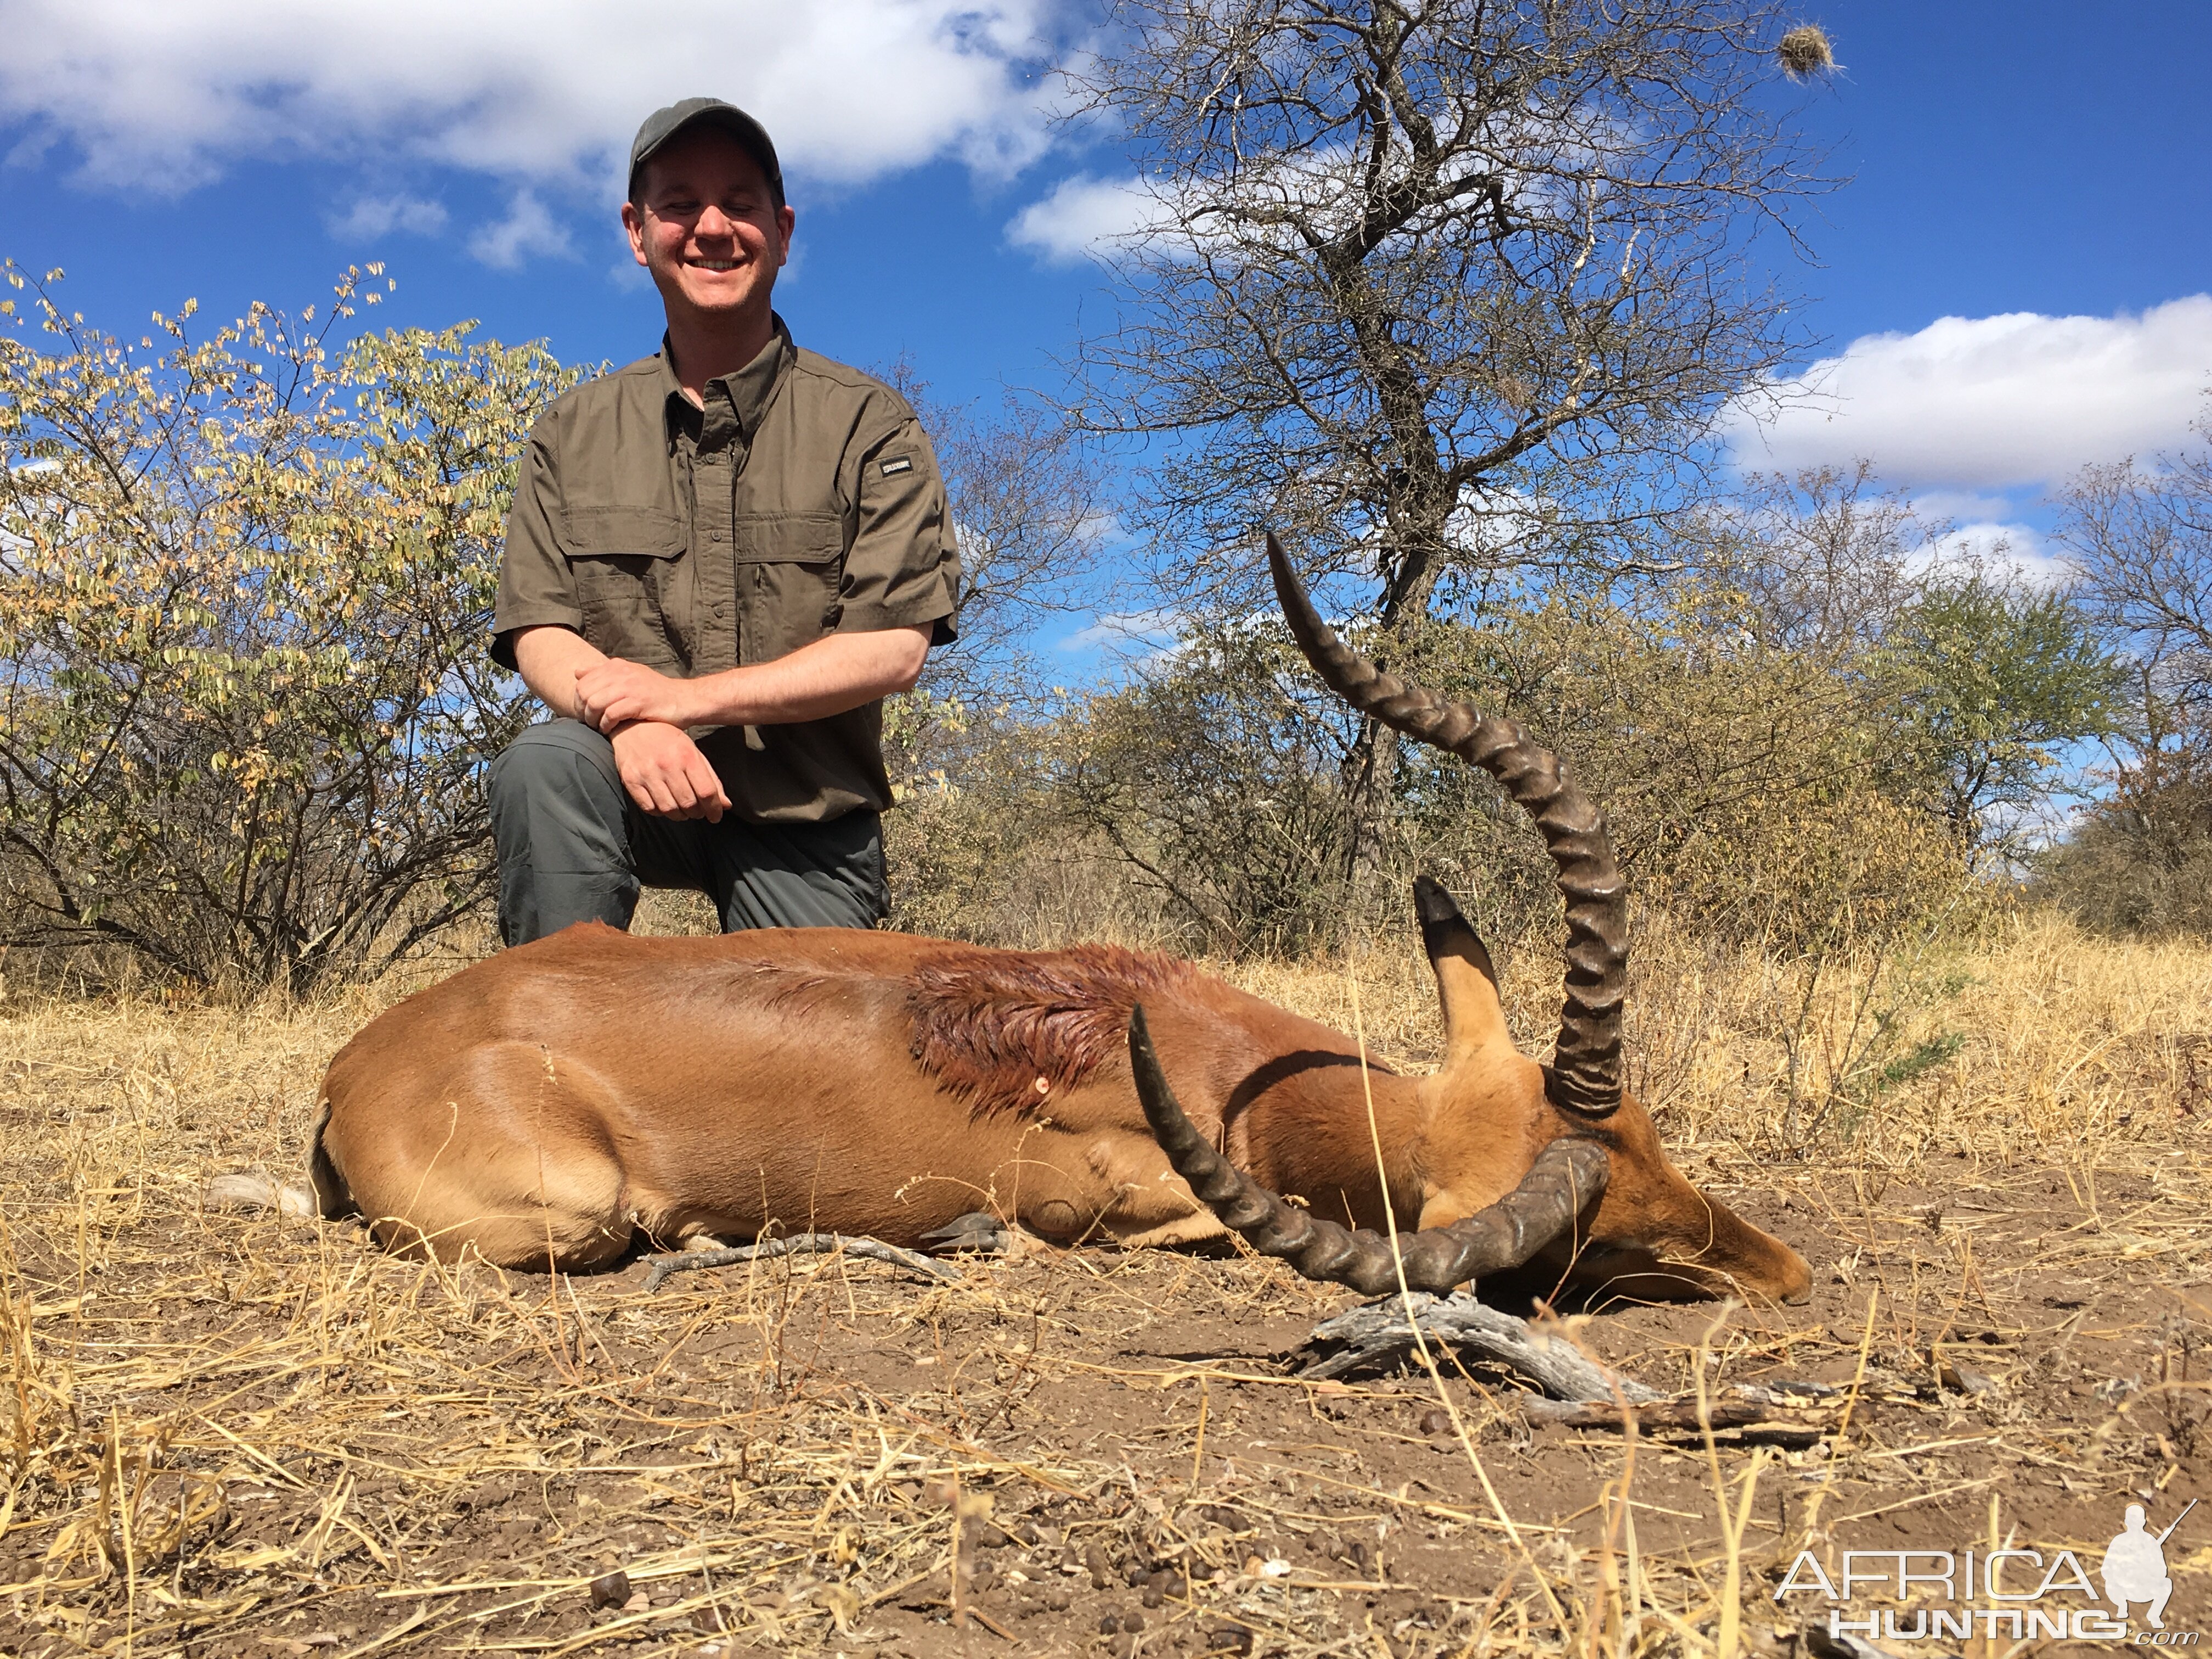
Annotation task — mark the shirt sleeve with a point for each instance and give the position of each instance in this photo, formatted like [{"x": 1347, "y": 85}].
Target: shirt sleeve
[
  {"x": 904, "y": 568},
  {"x": 535, "y": 586}
]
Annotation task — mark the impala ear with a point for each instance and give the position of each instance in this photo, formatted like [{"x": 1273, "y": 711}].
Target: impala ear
[{"x": 1467, "y": 979}]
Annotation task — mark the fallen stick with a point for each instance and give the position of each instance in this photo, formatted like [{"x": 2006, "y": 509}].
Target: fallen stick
[
  {"x": 1740, "y": 1419},
  {"x": 873, "y": 1250},
  {"x": 1380, "y": 1330}
]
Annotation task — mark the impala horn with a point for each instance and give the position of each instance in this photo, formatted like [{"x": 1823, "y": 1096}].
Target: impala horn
[
  {"x": 1567, "y": 1176},
  {"x": 1584, "y": 1076}
]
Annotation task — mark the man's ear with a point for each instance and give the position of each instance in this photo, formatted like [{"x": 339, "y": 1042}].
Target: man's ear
[{"x": 634, "y": 227}]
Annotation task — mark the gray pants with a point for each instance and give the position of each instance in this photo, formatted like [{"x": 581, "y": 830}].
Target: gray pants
[{"x": 573, "y": 848}]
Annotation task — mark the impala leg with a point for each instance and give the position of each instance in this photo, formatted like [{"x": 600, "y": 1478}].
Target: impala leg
[
  {"x": 979, "y": 1230},
  {"x": 1196, "y": 1228},
  {"x": 1153, "y": 1204},
  {"x": 514, "y": 1162}
]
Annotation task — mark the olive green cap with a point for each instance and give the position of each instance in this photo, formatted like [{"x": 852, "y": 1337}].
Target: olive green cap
[{"x": 663, "y": 125}]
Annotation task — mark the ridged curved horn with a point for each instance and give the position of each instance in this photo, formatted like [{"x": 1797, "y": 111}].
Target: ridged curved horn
[
  {"x": 1566, "y": 1177},
  {"x": 1585, "y": 1074}
]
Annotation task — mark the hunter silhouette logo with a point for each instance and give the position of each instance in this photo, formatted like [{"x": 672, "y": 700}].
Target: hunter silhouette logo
[{"x": 2134, "y": 1565}]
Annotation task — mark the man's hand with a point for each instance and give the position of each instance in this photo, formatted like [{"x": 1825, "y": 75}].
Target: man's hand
[
  {"x": 611, "y": 693},
  {"x": 664, "y": 771}
]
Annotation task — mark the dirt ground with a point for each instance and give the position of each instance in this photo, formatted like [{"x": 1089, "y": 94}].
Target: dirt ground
[{"x": 374, "y": 1457}]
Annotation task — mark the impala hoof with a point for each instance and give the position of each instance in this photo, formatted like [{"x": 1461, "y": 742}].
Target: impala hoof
[{"x": 976, "y": 1230}]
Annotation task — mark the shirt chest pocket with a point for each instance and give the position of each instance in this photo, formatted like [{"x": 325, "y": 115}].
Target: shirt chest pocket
[
  {"x": 633, "y": 583},
  {"x": 788, "y": 567}
]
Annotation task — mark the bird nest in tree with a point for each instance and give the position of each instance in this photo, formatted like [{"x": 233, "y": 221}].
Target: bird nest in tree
[{"x": 1804, "y": 50}]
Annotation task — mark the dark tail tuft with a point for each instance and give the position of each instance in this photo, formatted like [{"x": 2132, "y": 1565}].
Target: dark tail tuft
[{"x": 333, "y": 1201}]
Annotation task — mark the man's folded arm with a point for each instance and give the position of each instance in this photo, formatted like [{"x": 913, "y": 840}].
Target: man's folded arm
[
  {"x": 833, "y": 674},
  {"x": 548, "y": 658}
]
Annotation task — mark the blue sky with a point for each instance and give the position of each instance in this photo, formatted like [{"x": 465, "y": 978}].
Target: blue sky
[{"x": 2033, "y": 172}]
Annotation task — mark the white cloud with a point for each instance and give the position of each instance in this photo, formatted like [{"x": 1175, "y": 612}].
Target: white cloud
[
  {"x": 1980, "y": 404},
  {"x": 1962, "y": 505},
  {"x": 527, "y": 229},
  {"x": 373, "y": 217},
  {"x": 1178, "y": 217},
  {"x": 170, "y": 94},
  {"x": 1997, "y": 546},
  {"x": 1124, "y": 629},
  {"x": 1084, "y": 217}
]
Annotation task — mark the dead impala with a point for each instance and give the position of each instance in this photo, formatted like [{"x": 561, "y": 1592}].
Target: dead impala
[{"x": 560, "y": 1102}]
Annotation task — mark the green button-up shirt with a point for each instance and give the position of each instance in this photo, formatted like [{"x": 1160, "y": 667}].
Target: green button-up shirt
[{"x": 802, "y": 501}]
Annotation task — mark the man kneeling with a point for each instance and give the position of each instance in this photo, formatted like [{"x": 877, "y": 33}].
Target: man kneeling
[{"x": 719, "y": 560}]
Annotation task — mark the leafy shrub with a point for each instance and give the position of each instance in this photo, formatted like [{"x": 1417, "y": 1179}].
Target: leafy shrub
[
  {"x": 1756, "y": 794},
  {"x": 245, "y": 593},
  {"x": 2141, "y": 858},
  {"x": 2140, "y": 861}
]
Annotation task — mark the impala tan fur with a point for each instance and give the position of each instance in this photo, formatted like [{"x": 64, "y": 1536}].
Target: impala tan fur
[{"x": 564, "y": 1102}]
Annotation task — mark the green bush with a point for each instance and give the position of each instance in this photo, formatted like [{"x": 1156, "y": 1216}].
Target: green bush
[
  {"x": 1756, "y": 794},
  {"x": 2140, "y": 860},
  {"x": 245, "y": 584}
]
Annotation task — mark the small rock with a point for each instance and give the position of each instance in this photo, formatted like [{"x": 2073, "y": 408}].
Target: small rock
[
  {"x": 1436, "y": 1421},
  {"x": 1153, "y": 1596},
  {"x": 1132, "y": 1622},
  {"x": 1102, "y": 1573},
  {"x": 1110, "y": 1623},
  {"x": 1962, "y": 1379},
  {"x": 1229, "y": 1638},
  {"x": 609, "y": 1590}
]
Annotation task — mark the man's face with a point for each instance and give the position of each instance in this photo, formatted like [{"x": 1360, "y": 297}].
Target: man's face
[{"x": 706, "y": 227}]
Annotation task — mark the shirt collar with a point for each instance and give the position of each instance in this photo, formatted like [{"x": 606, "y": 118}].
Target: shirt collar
[{"x": 749, "y": 391}]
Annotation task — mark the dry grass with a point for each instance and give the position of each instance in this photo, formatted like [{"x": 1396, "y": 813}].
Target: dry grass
[
  {"x": 2043, "y": 1041},
  {"x": 225, "y": 1433}
]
